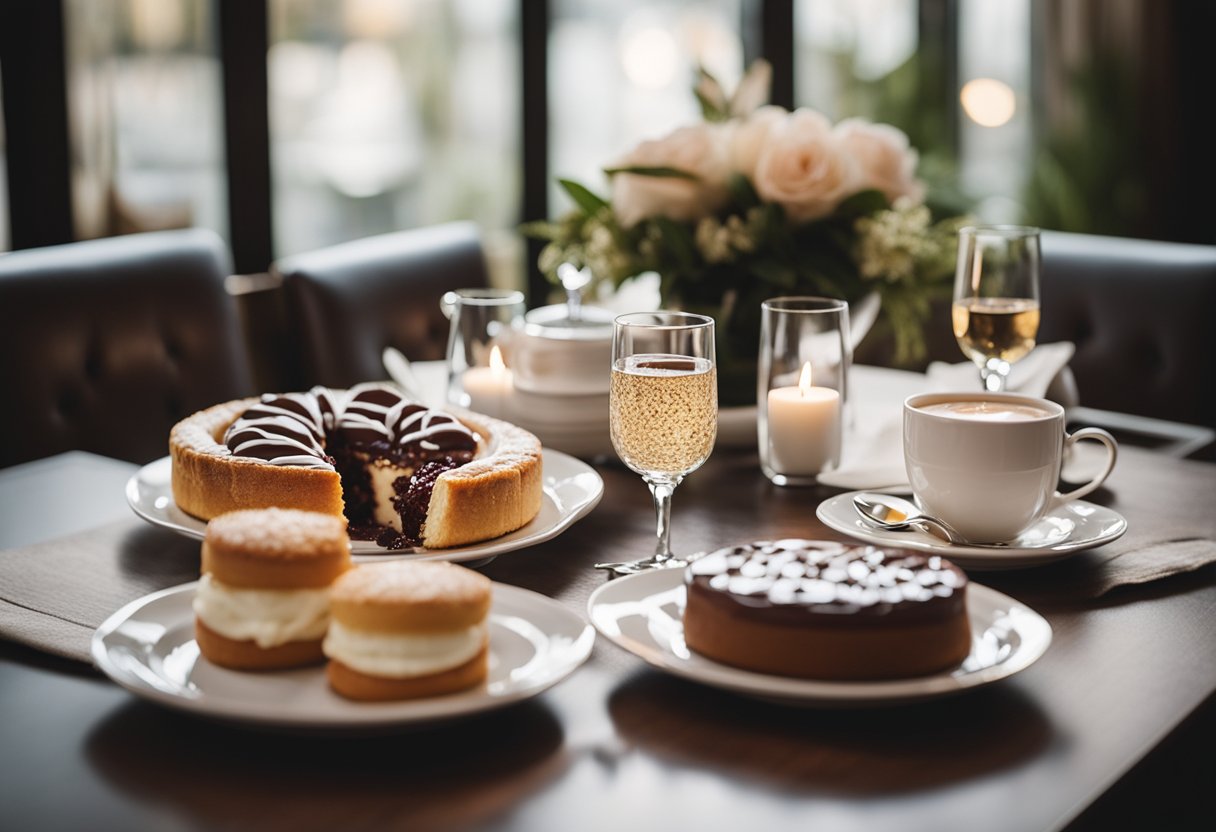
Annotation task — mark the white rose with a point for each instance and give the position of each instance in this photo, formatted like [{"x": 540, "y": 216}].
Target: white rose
[
  {"x": 803, "y": 168},
  {"x": 883, "y": 157},
  {"x": 748, "y": 135},
  {"x": 699, "y": 150}
]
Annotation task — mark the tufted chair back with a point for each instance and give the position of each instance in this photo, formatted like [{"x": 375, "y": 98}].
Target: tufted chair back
[
  {"x": 105, "y": 344},
  {"x": 1139, "y": 313},
  {"x": 348, "y": 302}
]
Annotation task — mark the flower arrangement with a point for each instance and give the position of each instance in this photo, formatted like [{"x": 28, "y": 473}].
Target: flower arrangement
[{"x": 757, "y": 201}]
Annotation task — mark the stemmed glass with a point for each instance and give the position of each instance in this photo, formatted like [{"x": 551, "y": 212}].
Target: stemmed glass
[
  {"x": 996, "y": 298},
  {"x": 663, "y": 408}
]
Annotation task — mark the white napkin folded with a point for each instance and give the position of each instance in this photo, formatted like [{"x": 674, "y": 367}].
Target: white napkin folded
[{"x": 873, "y": 443}]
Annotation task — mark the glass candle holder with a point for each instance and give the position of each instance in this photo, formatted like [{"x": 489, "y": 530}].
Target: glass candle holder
[
  {"x": 484, "y": 323},
  {"x": 802, "y": 387}
]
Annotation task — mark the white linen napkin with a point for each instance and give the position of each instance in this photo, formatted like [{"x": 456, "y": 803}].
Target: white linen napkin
[{"x": 873, "y": 445}]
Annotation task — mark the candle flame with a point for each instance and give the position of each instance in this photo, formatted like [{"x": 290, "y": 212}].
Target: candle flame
[
  {"x": 497, "y": 365},
  {"x": 804, "y": 381}
]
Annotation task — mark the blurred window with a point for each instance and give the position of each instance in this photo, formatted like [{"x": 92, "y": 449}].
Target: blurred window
[
  {"x": 996, "y": 142},
  {"x": 392, "y": 114},
  {"x": 144, "y": 106},
  {"x": 848, "y": 51},
  {"x": 621, "y": 71}
]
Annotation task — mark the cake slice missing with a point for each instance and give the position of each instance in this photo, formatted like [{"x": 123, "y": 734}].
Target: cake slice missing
[{"x": 402, "y": 473}]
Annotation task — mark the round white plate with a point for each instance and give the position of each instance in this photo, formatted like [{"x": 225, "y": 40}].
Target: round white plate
[
  {"x": 571, "y": 489},
  {"x": 148, "y": 647},
  {"x": 644, "y": 614},
  {"x": 1071, "y": 528}
]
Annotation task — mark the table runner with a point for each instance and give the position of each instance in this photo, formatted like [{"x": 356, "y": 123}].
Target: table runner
[{"x": 54, "y": 594}]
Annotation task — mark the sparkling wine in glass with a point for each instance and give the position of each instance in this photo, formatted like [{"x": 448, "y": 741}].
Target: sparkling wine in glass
[
  {"x": 996, "y": 298},
  {"x": 663, "y": 410}
]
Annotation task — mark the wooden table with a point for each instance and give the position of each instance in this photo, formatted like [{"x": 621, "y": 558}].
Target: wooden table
[{"x": 1102, "y": 732}]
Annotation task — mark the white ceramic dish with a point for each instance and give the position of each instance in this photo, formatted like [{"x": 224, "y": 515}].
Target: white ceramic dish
[
  {"x": 644, "y": 614},
  {"x": 1071, "y": 528},
  {"x": 571, "y": 489},
  {"x": 148, "y": 647}
]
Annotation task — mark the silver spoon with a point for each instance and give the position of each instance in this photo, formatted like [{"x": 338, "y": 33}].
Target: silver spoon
[{"x": 890, "y": 513}]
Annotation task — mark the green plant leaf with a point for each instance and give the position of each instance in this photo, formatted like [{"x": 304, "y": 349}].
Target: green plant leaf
[
  {"x": 583, "y": 198},
  {"x": 862, "y": 204},
  {"x": 711, "y": 96},
  {"x": 742, "y": 192},
  {"x": 678, "y": 240},
  {"x": 653, "y": 170}
]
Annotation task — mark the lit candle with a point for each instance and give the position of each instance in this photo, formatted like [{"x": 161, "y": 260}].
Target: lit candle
[
  {"x": 803, "y": 427},
  {"x": 489, "y": 388}
]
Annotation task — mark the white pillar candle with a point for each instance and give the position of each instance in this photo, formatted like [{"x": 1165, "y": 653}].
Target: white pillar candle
[
  {"x": 803, "y": 427},
  {"x": 489, "y": 388}
]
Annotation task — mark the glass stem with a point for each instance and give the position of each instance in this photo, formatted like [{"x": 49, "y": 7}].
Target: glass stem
[{"x": 662, "y": 490}]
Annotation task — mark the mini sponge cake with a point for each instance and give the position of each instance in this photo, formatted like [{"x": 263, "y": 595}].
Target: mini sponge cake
[
  {"x": 263, "y": 600},
  {"x": 407, "y": 629}
]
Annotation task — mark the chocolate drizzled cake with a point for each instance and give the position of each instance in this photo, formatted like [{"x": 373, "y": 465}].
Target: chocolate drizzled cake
[
  {"x": 826, "y": 610},
  {"x": 402, "y": 473}
]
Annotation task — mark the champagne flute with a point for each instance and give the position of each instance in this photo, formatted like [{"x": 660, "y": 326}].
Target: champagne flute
[
  {"x": 996, "y": 298},
  {"x": 663, "y": 408}
]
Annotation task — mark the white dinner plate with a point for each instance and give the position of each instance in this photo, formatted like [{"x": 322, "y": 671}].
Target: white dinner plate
[
  {"x": 571, "y": 489},
  {"x": 148, "y": 647},
  {"x": 1071, "y": 528},
  {"x": 643, "y": 613}
]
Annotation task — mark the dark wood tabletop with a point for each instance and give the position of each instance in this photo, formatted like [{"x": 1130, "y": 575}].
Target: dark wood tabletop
[{"x": 1102, "y": 732}]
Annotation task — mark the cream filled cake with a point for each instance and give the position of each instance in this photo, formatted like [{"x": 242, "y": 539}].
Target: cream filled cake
[
  {"x": 262, "y": 602},
  {"x": 408, "y": 629},
  {"x": 827, "y": 610},
  {"x": 403, "y": 474}
]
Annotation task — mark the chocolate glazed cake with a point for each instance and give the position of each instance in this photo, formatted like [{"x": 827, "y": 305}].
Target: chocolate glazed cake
[
  {"x": 825, "y": 610},
  {"x": 403, "y": 474}
]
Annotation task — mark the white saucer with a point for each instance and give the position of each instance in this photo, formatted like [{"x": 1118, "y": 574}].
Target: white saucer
[
  {"x": 644, "y": 614},
  {"x": 571, "y": 489},
  {"x": 1069, "y": 529},
  {"x": 148, "y": 647}
]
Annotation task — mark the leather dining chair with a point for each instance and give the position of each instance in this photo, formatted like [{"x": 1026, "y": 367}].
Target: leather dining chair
[
  {"x": 105, "y": 344},
  {"x": 348, "y": 302},
  {"x": 1138, "y": 312}
]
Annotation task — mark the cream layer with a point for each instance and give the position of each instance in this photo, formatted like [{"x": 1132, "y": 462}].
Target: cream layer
[
  {"x": 400, "y": 655},
  {"x": 267, "y": 617}
]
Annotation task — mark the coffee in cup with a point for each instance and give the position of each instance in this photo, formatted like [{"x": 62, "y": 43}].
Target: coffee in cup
[{"x": 988, "y": 463}]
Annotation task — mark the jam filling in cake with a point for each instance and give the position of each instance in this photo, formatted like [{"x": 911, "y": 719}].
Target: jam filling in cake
[{"x": 388, "y": 450}]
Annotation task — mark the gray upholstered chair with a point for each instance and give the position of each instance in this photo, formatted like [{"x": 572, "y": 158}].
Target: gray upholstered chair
[
  {"x": 105, "y": 344},
  {"x": 1139, "y": 312},
  {"x": 348, "y": 302}
]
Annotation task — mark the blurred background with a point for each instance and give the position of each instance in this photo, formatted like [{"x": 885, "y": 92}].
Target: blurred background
[{"x": 290, "y": 125}]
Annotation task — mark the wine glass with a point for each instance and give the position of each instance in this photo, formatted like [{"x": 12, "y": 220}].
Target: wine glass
[
  {"x": 663, "y": 408},
  {"x": 996, "y": 298}
]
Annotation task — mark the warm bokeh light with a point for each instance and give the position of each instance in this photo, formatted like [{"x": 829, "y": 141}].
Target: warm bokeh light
[
  {"x": 650, "y": 57},
  {"x": 988, "y": 102}
]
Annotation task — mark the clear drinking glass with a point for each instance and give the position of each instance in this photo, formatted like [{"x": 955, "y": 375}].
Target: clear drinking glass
[
  {"x": 801, "y": 387},
  {"x": 663, "y": 409},
  {"x": 996, "y": 298},
  {"x": 483, "y": 325}
]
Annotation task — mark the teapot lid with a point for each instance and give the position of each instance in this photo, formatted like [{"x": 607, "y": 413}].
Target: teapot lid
[{"x": 593, "y": 323}]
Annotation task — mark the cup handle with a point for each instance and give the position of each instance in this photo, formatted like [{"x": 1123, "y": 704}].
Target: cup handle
[{"x": 1112, "y": 453}]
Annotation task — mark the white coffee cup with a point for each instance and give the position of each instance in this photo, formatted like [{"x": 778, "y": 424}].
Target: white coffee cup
[{"x": 989, "y": 463}]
